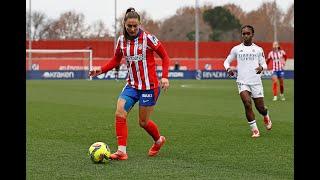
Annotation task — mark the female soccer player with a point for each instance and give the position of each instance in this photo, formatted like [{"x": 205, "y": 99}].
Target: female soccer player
[
  {"x": 137, "y": 46},
  {"x": 279, "y": 58},
  {"x": 250, "y": 62}
]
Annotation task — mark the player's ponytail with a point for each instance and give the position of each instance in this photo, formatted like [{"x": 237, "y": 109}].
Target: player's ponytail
[
  {"x": 130, "y": 13},
  {"x": 130, "y": 9}
]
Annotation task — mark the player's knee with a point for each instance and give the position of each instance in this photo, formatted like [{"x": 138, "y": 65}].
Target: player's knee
[
  {"x": 274, "y": 80},
  {"x": 281, "y": 82},
  {"x": 142, "y": 123},
  {"x": 121, "y": 113}
]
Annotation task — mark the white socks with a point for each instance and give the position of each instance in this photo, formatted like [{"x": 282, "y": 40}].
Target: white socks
[
  {"x": 122, "y": 148},
  {"x": 159, "y": 140},
  {"x": 253, "y": 124}
]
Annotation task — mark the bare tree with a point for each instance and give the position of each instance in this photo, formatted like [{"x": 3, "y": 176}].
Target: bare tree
[
  {"x": 286, "y": 27},
  {"x": 27, "y": 25},
  {"x": 236, "y": 11},
  {"x": 288, "y": 19},
  {"x": 50, "y": 30},
  {"x": 149, "y": 24},
  {"x": 99, "y": 31},
  {"x": 70, "y": 25},
  {"x": 181, "y": 26},
  {"x": 38, "y": 23},
  {"x": 38, "y": 19},
  {"x": 262, "y": 20}
]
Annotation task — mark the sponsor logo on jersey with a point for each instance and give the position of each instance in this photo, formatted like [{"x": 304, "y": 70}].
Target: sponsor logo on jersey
[
  {"x": 153, "y": 39},
  {"x": 246, "y": 57},
  {"x": 138, "y": 57},
  {"x": 146, "y": 95}
]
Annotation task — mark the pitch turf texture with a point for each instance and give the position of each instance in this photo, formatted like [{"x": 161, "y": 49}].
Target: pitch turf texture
[{"x": 204, "y": 122}]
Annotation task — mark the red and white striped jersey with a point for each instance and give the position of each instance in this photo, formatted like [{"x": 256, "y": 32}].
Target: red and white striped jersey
[
  {"x": 140, "y": 60},
  {"x": 278, "y": 58}
]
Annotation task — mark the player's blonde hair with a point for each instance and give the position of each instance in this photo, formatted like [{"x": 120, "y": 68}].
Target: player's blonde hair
[{"x": 276, "y": 44}]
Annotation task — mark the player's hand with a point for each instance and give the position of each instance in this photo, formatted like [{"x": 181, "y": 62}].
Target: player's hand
[
  {"x": 259, "y": 69},
  {"x": 164, "y": 84},
  {"x": 230, "y": 72},
  {"x": 95, "y": 72}
]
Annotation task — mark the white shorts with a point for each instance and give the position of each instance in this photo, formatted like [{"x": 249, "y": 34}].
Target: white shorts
[{"x": 256, "y": 89}]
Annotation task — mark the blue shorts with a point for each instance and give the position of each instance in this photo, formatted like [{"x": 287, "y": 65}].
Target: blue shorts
[
  {"x": 145, "y": 97},
  {"x": 279, "y": 74}
]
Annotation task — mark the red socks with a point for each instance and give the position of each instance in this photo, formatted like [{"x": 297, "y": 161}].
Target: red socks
[
  {"x": 152, "y": 129},
  {"x": 281, "y": 87},
  {"x": 121, "y": 131},
  {"x": 274, "y": 88}
]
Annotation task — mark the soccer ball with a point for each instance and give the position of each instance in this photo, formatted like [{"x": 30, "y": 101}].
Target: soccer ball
[{"x": 99, "y": 152}]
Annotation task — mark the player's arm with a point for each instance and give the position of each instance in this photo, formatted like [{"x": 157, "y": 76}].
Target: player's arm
[
  {"x": 114, "y": 62},
  {"x": 262, "y": 63},
  {"x": 156, "y": 45},
  {"x": 165, "y": 61},
  {"x": 269, "y": 58},
  {"x": 284, "y": 56},
  {"x": 227, "y": 62}
]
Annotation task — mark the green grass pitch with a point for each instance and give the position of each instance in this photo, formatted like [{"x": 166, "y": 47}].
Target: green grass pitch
[{"x": 204, "y": 122}]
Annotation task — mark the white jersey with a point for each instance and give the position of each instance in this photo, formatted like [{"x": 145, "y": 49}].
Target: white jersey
[{"x": 248, "y": 59}]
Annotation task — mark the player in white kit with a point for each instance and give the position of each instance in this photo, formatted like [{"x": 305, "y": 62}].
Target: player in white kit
[{"x": 250, "y": 63}]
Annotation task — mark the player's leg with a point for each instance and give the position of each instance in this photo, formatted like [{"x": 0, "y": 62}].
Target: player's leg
[
  {"x": 246, "y": 100},
  {"x": 151, "y": 128},
  {"x": 116, "y": 74},
  {"x": 281, "y": 88},
  {"x": 146, "y": 123},
  {"x": 125, "y": 102},
  {"x": 275, "y": 87},
  {"x": 259, "y": 103},
  {"x": 146, "y": 106},
  {"x": 257, "y": 95}
]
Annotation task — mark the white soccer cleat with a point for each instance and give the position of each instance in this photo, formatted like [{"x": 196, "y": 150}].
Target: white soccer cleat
[
  {"x": 282, "y": 97},
  {"x": 255, "y": 132},
  {"x": 267, "y": 122},
  {"x": 275, "y": 98}
]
